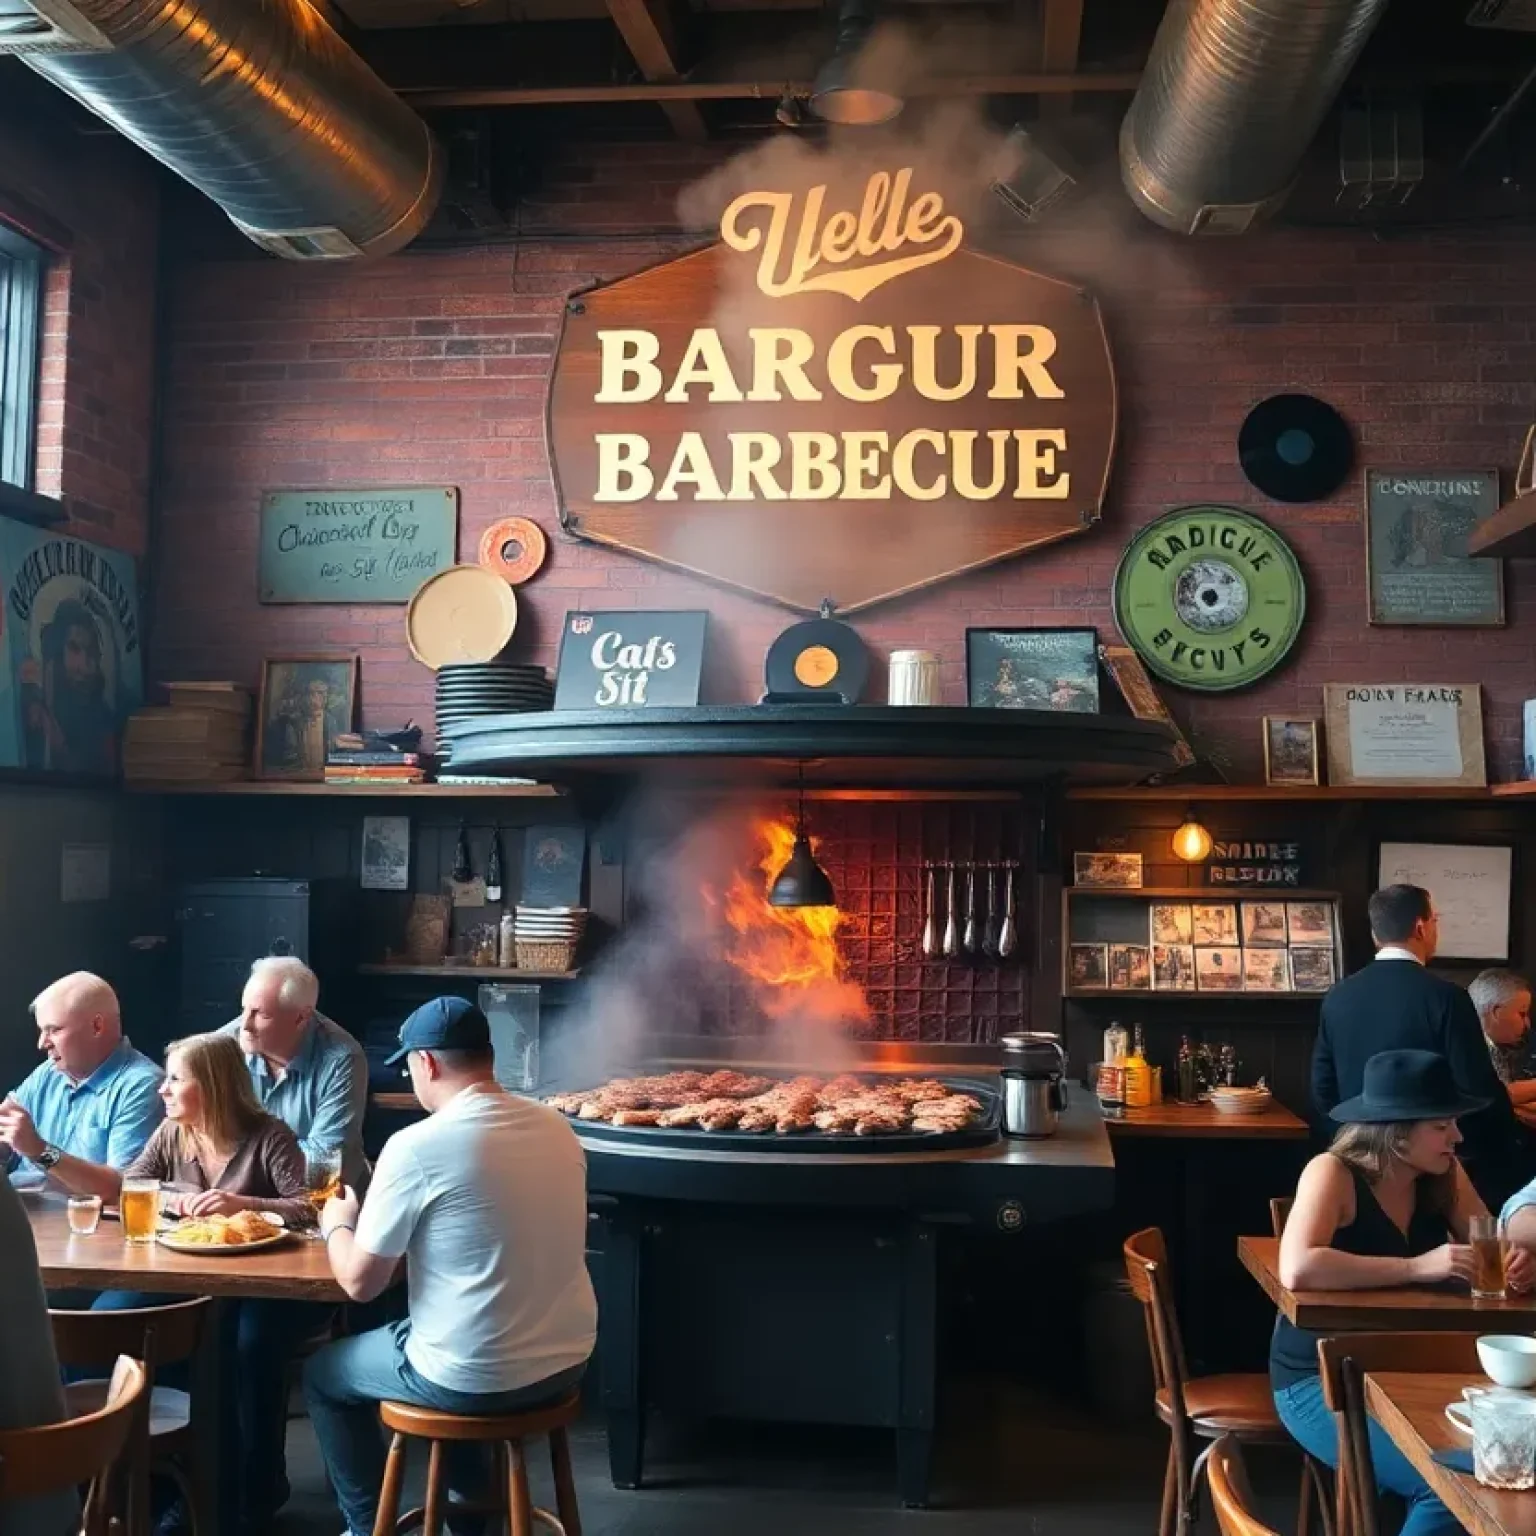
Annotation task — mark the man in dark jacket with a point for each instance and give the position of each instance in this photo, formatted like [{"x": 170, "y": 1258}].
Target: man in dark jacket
[{"x": 1396, "y": 1004}]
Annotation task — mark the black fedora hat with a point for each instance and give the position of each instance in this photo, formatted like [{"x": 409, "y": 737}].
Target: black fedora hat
[{"x": 1406, "y": 1085}]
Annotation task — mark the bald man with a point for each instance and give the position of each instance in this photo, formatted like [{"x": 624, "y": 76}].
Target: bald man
[{"x": 87, "y": 1111}]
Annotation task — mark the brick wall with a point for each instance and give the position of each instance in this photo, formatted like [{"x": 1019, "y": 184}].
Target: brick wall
[
  {"x": 93, "y": 200},
  {"x": 430, "y": 368}
]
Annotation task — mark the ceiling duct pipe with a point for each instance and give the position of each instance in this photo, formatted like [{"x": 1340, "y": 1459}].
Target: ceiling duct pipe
[
  {"x": 1231, "y": 97},
  {"x": 257, "y": 103}
]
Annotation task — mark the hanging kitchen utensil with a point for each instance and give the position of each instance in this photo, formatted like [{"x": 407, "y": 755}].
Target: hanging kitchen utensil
[
  {"x": 1008, "y": 939},
  {"x": 463, "y": 871},
  {"x": 970, "y": 942},
  {"x": 989, "y": 933},
  {"x": 930, "y": 921},
  {"x": 951, "y": 929}
]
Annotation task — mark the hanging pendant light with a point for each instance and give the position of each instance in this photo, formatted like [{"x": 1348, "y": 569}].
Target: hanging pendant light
[
  {"x": 802, "y": 882},
  {"x": 846, "y": 91},
  {"x": 1191, "y": 842}
]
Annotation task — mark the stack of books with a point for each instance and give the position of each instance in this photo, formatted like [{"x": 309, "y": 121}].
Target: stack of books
[
  {"x": 373, "y": 759},
  {"x": 201, "y": 737}
]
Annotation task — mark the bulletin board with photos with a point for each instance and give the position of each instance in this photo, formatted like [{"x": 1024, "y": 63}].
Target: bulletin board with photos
[{"x": 1197, "y": 942}]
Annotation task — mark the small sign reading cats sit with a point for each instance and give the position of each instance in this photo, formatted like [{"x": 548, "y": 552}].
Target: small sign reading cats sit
[{"x": 628, "y": 660}]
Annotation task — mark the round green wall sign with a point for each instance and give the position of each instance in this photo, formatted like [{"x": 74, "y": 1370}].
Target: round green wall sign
[{"x": 1210, "y": 597}]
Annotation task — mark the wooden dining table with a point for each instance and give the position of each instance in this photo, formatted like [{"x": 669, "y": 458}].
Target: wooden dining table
[
  {"x": 295, "y": 1270},
  {"x": 1396, "y": 1309},
  {"x": 1410, "y": 1407}
]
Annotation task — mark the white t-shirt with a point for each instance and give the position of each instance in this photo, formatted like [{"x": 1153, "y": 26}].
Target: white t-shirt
[{"x": 487, "y": 1199}]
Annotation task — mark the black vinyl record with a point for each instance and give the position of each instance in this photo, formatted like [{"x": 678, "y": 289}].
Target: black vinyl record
[
  {"x": 1295, "y": 448},
  {"x": 820, "y": 659}
]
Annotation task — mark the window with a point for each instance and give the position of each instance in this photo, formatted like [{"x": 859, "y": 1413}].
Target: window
[{"x": 21, "y": 314}]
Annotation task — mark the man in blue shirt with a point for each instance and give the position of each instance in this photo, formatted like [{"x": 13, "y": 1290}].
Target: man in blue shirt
[
  {"x": 306, "y": 1069},
  {"x": 87, "y": 1111}
]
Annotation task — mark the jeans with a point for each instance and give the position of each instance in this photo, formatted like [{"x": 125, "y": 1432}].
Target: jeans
[
  {"x": 1315, "y": 1429},
  {"x": 345, "y": 1382},
  {"x": 257, "y": 1338}
]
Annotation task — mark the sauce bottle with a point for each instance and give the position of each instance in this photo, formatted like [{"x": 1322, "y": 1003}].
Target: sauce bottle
[{"x": 1138, "y": 1076}]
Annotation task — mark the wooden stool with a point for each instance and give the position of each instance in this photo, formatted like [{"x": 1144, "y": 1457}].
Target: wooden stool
[{"x": 506, "y": 1432}]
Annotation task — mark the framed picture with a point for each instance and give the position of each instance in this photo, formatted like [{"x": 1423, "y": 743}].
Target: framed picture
[
  {"x": 1130, "y": 968},
  {"x": 1471, "y": 886},
  {"x": 1172, "y": 923},
  {"x": 1054, "y": 669},
  {"x": 1419, "y": 571},
  {"x": 1309, "y": 922},
  {"x": 1266, "y": 970},
  {"x": 1412, "y": 734},
  {"x": 1290, "y": 751},
  {"x": 1142, "y": 697},
  {"x": 1312, "y": 970},
  {"x": 1116, "y": 871},
  {"x": 1214, "y": 922},
  {"x": 1088, "y": 965},
  {"x": 1219, "y": 969},
  {"x": 1264, "y": 922},
  {"x": 1173, "y": 968},
  {"x": 386, "y": 853},
  {"x": 306, "y": 703}
]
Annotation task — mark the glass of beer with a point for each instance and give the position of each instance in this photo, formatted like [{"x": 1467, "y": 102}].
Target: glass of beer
[
  {"x": 139, "y": 1205},
  {"x": 322, "y": 1175},
  {"x": 1488, "y": 1252},
  {"x": 84, "y": 1214}
]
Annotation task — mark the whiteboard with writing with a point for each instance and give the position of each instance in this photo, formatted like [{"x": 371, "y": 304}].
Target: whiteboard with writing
[{"x": 1470, "y": 887}]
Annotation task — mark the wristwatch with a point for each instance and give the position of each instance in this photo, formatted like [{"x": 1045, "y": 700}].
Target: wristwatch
[{"x": 48, "y": 1158}]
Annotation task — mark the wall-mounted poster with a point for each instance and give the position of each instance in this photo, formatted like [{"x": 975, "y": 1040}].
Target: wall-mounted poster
[
  {"x": 70, "y": 667},
  {"x": 1033, "y": 669},
  {"x": 386, "y": 853},
  {"x": 629, "y": 660},
  {"x": 1417, "y": 524},
  {"x": 1405, "y": 733}
]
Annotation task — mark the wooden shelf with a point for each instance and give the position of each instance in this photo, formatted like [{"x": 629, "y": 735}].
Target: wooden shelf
[
  {"x": 1202, "y": 794},
  {"x": 391, "y": 791},
  {"x": 1169, "y": 1119},
  {"x": 1189, "y": 995},
  {"x": 480, "y": 972},
  {"x": 1204, "y": 894}
]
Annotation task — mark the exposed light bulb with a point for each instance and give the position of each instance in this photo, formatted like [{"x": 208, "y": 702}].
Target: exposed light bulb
[{"x": 1191, "y": 842}]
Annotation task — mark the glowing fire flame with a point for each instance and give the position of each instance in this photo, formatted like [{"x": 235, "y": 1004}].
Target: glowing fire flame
[{"x": 791, "y": 951}]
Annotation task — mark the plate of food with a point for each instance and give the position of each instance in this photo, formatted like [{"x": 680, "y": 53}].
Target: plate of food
[{"x": 244, "y": 1232}]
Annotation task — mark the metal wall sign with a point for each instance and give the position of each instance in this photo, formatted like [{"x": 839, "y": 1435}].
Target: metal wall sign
[
  {"x": 836, "y": 401},
  {"x": 627, "y": 660},
  {"x": 361, "y": 546},
  {"x": 1211, "y": 598},
  {"x": 1253, "y": 862}
]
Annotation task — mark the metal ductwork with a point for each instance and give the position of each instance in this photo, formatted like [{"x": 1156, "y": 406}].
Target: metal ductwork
[
  {"x": 1231, "y": 97},
  {"x": 257, "y": 103}
]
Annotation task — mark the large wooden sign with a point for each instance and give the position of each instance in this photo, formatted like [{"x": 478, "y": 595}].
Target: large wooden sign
[{"x": 832, "y": 403}]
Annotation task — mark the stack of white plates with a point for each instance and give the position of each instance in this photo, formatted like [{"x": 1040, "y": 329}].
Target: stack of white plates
[
  {"x": 550, "y": 925},
  {"x": 1240, "y": 1101}
]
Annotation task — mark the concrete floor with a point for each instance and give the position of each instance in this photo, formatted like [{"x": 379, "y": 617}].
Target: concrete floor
[{"x": 1008, "y": 1464}]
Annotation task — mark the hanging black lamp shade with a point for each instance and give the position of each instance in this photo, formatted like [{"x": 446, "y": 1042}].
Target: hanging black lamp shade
[
  {"x": 844, "y": 91},
  {"x": 802, "y": 882}
]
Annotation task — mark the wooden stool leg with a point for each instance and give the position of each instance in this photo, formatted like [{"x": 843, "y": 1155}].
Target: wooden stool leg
[
  {"x": 1304, "y": 1511},
  {"x": 519, "y": 1504},
  {"x": 1315, "y": 1471},
  {"x": 432, "y": 1520},
  {"x": 389, "y": 1489},
  {"x": 1168, "y": 1522},
  {"x": 565, "y": 1482}
]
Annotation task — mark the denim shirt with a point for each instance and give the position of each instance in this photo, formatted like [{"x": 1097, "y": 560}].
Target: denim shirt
[
  {"x": 322, "y": 1094},
  {"x": 104, "y": 1120}
]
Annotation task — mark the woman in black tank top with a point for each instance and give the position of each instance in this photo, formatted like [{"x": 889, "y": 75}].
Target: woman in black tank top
[{"x": 1386, "y": 1205}]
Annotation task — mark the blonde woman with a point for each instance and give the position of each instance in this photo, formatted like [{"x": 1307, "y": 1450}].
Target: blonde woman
[
  {"x": 1387, "y": 1205},
  {"x": 216, "y": 1153}
]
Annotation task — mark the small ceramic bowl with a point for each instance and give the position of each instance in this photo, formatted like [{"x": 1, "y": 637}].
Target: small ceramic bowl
[{"x": 1508, "y": 1358}]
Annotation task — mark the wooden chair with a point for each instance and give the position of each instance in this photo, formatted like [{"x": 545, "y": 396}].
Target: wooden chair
[
  {"x": 507, "y": 1434},
  {"x": 1343, "y": 1363},
  {"x": 59, "y": 1457},
  {"x": 159, "y": 1336},
  {"x": 1229, "y": 1490},
  {"x": 1203, "y": 1407},
  {"x": 1280, "y": 1213}
]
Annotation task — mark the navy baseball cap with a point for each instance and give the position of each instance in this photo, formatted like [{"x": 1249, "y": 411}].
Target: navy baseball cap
[{"x": 444, "y": 1024}]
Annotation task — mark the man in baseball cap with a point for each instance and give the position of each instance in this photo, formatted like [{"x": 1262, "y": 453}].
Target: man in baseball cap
[{"x": 487, "y": 1201}]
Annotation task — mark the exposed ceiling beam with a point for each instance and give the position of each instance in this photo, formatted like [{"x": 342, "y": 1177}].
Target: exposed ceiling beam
[
  {"x": 768, "y": 89},
  {"x": 650, "y": 32},
  {"x": 1061, "y": 31}
]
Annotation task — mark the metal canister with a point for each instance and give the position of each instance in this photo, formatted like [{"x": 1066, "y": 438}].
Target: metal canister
[
  {"x": 914, "y": 677},
  {"x": 1034, "y": 1086}
]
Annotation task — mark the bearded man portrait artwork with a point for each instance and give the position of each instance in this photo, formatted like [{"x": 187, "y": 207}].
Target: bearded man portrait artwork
[{"x": 70, "y": 721}]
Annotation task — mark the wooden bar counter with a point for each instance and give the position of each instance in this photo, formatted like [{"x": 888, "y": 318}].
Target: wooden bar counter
[{"x": 1171, "y": 1119}]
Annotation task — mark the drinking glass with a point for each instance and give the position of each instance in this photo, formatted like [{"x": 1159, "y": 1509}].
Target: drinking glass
[
  {"x": 139, "y": 1206},
  {"x": 322, "y": 1175},
  {"x": 84, "y": 1214},
  {"x": 1488, "y": 1255},
  {"x": 1503, "y": 1439}
]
